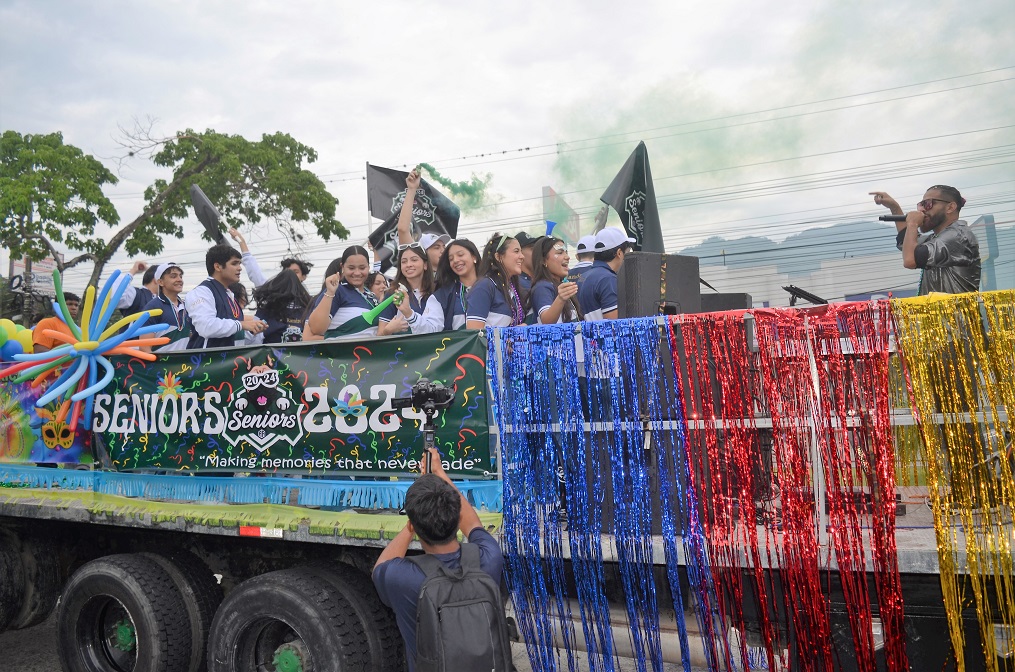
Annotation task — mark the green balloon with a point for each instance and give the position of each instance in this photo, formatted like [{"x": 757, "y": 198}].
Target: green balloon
[{"x": 3, "y": 336}]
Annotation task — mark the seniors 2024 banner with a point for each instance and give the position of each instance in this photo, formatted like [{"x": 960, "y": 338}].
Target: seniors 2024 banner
[{"x": 305, "y": 408}]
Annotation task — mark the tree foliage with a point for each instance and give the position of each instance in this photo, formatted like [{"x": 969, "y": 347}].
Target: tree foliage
[
  {"x": 249, "y": 181},
  {"x": 51, "y": 193}
]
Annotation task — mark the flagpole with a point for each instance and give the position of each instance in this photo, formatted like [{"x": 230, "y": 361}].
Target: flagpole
[{"x": 369, "y": 217}]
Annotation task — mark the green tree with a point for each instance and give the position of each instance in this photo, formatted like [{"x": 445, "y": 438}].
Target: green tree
[
  {"x": 51, "y": 193},
  {"x": 249, "y": 181}
]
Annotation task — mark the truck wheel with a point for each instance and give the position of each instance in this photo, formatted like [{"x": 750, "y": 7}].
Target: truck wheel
[
  {"x": 12, "y": 581},
  {"x": 122, "y": 613},
  {"x": 43, "y": 578},
  {"x": 201, "y": 597},
  {"x": 387, "y": 650},
  {"x": 290, "y": 621}
]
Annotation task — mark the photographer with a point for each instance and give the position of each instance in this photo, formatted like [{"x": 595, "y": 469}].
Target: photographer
[{"x": 436, "y": 510}]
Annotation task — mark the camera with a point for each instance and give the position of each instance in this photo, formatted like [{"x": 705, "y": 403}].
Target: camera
[{"x": 426, "y": 396}]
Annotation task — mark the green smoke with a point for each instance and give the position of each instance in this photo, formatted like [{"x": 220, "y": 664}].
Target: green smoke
[
  {"x": 686, "y": 155},
  {"x": 468, "y": 195}
]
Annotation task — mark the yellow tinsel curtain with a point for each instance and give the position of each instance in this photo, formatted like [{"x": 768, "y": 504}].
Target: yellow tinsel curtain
[{"x": 959, "y": 359}]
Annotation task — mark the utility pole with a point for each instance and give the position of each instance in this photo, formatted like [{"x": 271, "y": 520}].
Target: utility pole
[{"x": 28, "y": 309}]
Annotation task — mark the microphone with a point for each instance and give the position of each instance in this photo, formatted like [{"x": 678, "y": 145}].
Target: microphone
[{"x": 892, "y": 218}]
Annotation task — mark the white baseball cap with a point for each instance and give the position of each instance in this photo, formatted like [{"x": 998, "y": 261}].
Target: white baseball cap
[
  {"x": 611, "y": 237},
  {"x": 428, "y": 239},
  {"x": 586, "y": 243},
  {"x": 161, "y": 269}
]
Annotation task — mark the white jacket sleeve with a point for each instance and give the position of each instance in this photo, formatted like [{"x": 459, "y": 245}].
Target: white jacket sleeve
[
  {"x": 430, "y": 321},
  {"x": 127, "y": 298},
  {"x": 253, "y": 269}
]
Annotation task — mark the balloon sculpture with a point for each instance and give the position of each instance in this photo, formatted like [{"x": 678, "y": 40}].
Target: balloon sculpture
[{"x": 86, "y": 348}]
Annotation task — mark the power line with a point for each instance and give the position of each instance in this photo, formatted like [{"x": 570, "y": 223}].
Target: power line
[{"x": 530, "y": 147}]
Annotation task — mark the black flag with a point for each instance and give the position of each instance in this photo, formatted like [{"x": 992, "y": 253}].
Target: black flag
[
  {"x": 207, "y": 213},
  {"x": 634, "y": 198},
  {"x": 432, "y": 211}
]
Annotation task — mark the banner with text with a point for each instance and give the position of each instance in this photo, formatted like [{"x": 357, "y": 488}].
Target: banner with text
[{"x": 304, "y": 408}]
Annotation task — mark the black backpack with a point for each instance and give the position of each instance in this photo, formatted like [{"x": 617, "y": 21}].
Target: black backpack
[{"x": 460, "y": 621}]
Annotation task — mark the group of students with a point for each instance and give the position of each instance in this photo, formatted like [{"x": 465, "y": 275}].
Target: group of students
[
  {"x": 449, "y": 284},
  {"x": 443, "y": 285}
]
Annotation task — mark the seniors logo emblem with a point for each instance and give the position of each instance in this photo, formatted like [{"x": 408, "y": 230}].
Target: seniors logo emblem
[
  {"x": 262, "y": 413},
  {"x": 635, "y": 207},
  {"x": 424, "y": 213}
]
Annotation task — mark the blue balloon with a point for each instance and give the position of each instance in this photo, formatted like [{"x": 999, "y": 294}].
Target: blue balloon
[{"x": 9, "y": 349}]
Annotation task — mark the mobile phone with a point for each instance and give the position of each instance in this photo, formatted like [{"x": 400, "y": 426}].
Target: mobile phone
[{"x": 429, "y": 462}]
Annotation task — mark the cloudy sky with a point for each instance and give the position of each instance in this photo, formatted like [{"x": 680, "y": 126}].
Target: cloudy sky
[{"x": 760, "y": 117}]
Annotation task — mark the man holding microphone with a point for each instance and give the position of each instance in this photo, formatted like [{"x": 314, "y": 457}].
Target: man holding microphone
[{"x": 949, "y": 254}]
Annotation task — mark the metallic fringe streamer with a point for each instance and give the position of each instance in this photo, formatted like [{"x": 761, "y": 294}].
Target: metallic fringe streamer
[
  {"x": 851, "y": 343},
  {"x": 713, "y": 365},
  {"x": 526, "y": 496},
  {"x": 588, "y": 434},
  {"x": 961, "y": 371},
  {"x": 615, "y": 384},
  {"x": 788, "y": 386}
]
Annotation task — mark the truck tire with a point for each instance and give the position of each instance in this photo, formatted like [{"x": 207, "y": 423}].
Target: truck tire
[
  {"x": 12, "y": 581},
  {"x": 43, "y": 579},
  {"x": 387, "y": 650},
  {"x": 201, "y": 595},
  {"x": 122, "y": 612},
  {"x": 287, "y": 620}
]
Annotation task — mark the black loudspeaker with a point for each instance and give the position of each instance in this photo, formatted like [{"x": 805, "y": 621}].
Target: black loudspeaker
[
  {"x": 714, "y": 303},
  {"x": 650, "y": 283}
]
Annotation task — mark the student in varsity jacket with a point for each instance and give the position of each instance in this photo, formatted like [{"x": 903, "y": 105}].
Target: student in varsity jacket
[
  {"x": 418, "y": 312},
  {"x": 457, "y": 272},
  {"x": 553, "y": 298},
  {"x": 335, "y": 267},
  {"x": 217, "y": 321},
  {"x": 345, "y": 297},
  {"x": 498, "y": 298},
  {"x": 169, "y": 277}
]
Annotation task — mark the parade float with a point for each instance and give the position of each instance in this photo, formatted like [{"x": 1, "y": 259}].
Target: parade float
[{"x": 796, "y": 489}]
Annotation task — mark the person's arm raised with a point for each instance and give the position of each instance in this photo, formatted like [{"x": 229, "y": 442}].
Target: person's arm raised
[
  {"x": 320, "y": 319},
  {"x": 397, "y": 547},
  {"x": 405, "y": 214},
  {"x": 882, "y": 198},
  {"x": 468, "y": 520}
]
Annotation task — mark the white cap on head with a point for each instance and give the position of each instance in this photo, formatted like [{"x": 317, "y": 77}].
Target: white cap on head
[
  {"x": 611, "y": 237},
  {"x": 161, "y": 269},
  {"x": 586, "y": 243},
  {"x": 428, "y": 239}
]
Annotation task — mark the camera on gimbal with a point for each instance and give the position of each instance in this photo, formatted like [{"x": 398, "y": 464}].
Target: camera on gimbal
[{"x": 427, "y": 397}]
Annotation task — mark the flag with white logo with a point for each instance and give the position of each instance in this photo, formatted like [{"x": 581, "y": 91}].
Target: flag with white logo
[{"x": 633, "y": 196}]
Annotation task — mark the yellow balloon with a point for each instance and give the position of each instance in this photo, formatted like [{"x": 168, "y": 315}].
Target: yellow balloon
[
  {"x": 25, "y": 339},
  {"x": 9, "y": 327}
]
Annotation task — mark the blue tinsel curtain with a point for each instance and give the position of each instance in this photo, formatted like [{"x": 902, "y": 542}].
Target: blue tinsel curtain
[{"x": 582, "y": 431}]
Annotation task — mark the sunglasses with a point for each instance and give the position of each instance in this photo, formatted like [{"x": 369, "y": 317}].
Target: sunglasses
[
  {"x": 406, "y": 246},
  {"x": 928, "y": 203}
]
